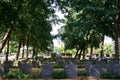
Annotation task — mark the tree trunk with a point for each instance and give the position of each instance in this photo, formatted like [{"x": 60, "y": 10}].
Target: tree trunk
[
  {"x": 33, "y": 52},
  {"x": 79, "y": 56},
  {"x": 76, "y": 54},
  {"x": 83, "y": 54},
  {"x": 101, "y": 46},
  {"x": 23, "y": 49},
  {"x": 5, "y": 39},
  {"x": 7, "y": 53},
  {"x": 27, "y": 48},
  {"x": 18, "y": 52},
  {"x": 91, "y": 49},
  {"x": 116, "y": 32}
]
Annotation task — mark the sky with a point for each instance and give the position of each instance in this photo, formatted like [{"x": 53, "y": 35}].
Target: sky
[
  {"x": 108, "y": 40},
  {"x": 56, "y": 27}
]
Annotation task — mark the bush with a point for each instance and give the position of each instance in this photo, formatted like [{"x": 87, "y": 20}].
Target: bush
[
  {"x": 59, "y": 74},
  {"x": 17, "y": 75},
  {"x": 83, "y": 73},
  {"x": 106, "y": 75},
  {"x": 58, "y": 66},
  {"x": 81, "y": 62}
]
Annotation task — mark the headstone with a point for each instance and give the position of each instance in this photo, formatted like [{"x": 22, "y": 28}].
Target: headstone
[
  {"x": 20, "y": 62},
  {"x": 5, "y": 67},
  {"x": 116, "y": 69},
  {"x": 71, "y": 71},
  {"x": 46, "y": 71},
  {"x": 102, "y": 64},
  {"x": 114, "y": 61},
  {"x": 49, "y": 60},
  {"x": 98, "y": 67},
  {"x": 33, "y": 64},
  {"x": 110, "y": 66},
  {"x": 10, "y": 63},
  {"x": 25, "y": 68},
  {"x": 68, "y": 61},
  {"x": 74, "y": 61},
  {"x": 94, "y": 72},
  {"x": 61, "y": 61}
]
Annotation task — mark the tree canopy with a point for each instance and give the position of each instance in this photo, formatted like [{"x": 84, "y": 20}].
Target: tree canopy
[
  {"x": 91, "y": 18},
  {"x": 28, "y": 20}
]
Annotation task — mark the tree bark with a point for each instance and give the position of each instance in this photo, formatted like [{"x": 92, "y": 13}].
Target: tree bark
[
  {"x": 76, "y": 54},
  {"x": 27, "y": 47},
  {"x": 23, "y": 49},
  {"x": 79, "y": 56},
  {"x": 18, "y": 52},
  {"x": 7, "y": 53},
  {"x": 83, "y": 54},
  {"x": 91, "y": 49},
  {"x": 5, "y": 39},
  {"x": 101, "y": 46},
  {"x": 116, "y": 33},
  {"x": 33, "y": 52}
]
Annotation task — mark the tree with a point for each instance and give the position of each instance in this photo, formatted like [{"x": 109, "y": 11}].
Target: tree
[
  {"x": 80, "y": 30},
  {"x": 27, "y": 21},
  {"x": 97, "y": 14}
]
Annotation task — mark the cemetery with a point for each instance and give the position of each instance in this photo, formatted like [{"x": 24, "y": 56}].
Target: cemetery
[
  {"x": 60, "y": 39},
  {"x": 61, "y": 68}
]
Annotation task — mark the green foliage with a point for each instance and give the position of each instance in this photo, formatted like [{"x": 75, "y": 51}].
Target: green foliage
[
  {"x": 87, "y": 20},
  {"x": 59, "y": 75},
  {"x": 83, "y": 73},
  {"x": 53, "y": 55},
  {"x": 81, "y": 63},
  {"x": 30, "y": 21},
  {"x": 106, "y": 75},
  {"x": 58, "y": 66},
  {"x": 13, "y": 47},
  {"x": 60, "y": 49},
  {"x": 108, "y": 49},
  {"x": 17, "y": 75},
  {"x": 71, "y": 51}
]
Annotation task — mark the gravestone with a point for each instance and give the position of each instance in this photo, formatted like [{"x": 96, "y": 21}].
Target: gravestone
[
  {"x": 33, "y": 64},
  {"x": 21, "y": 62},
  {"x": 68, "y": 61},
  {"x": 94, "y": 72},
  {"x": 46, "y": 70},
  {"x": 5, "y": 67},
  {"x": 87, "y": 65},
  {"x": 74, "y": 61},
  {"x": 61, "y": 61},
  {"x": 9, "y": 63},
  {"x": 113, "y": 61},
  {"x": 98, "y": 67},
  {"x": 102, "y": 64},
  {"x": 116, "y": 69},
  {"x": 49, "y": 60},
  {"x": 71, "y": 70},
  {"x": 110, "y": 66},
  {"x": 25, "y": 68}
]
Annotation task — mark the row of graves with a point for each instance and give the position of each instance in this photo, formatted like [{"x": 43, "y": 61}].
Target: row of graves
[
  {"x": 46, "y": 67},
  {"x": 99, "y": 67}
]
